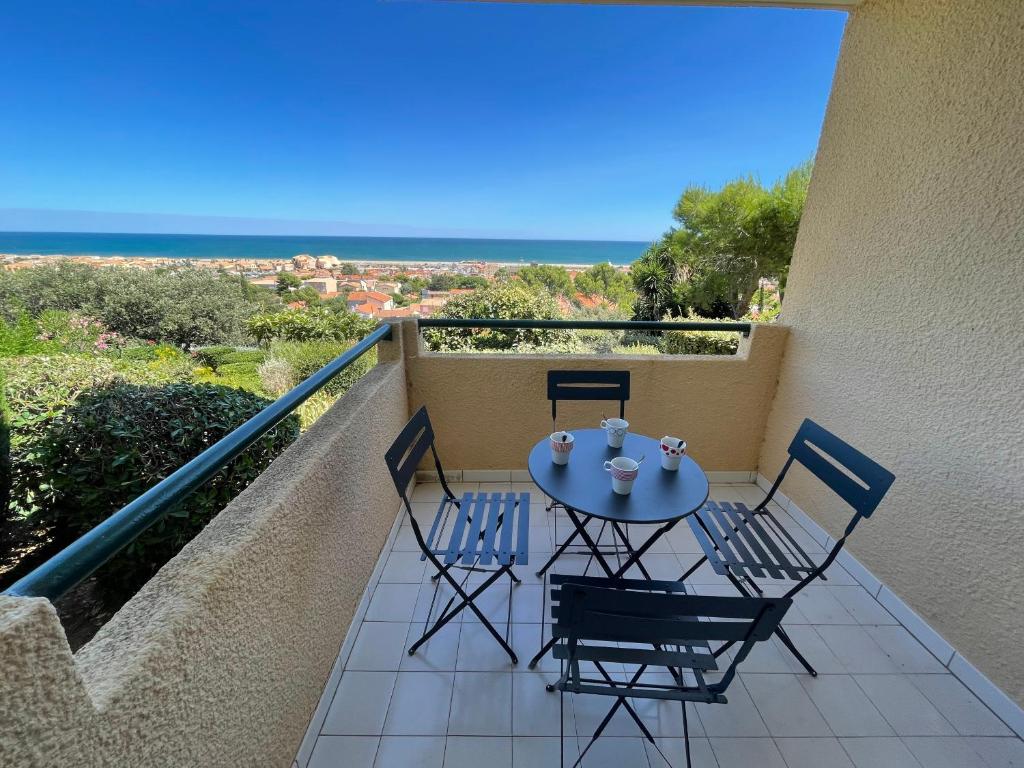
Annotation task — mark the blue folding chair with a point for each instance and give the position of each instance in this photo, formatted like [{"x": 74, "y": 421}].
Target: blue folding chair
[
  {"x": 743, "y": 544},
  {"x": 592, "y": 386},
  {"x": 651, "y": 624},
  {"x": 486, "y": 529}
]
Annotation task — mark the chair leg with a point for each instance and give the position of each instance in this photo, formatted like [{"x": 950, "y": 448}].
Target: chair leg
[
  {"x": 693, "y": 568},
  {"x": 786, "y": 641},
  {"x": 686, "y": 735}
]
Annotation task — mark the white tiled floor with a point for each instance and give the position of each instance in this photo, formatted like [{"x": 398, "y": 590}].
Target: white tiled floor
[{"x": 881, "y": 700}]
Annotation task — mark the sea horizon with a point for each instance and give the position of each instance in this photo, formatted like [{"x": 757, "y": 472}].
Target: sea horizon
[{"x": 354, "y": 248}]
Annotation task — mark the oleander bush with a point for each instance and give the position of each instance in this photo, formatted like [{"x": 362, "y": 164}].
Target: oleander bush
[{"x": 119, "y": 439}]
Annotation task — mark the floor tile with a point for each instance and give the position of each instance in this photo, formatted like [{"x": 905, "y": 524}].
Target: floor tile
[
  {"x": 673, "y": 750},
  {"x": 410, "y": 752},
  {"x": 856, "y": 650},
  {"x": 747, "y": 752},
  {"x": 845, "y": 706},
  {"x": 862, "y": 606},
  {"x": 438, "y": 654},
  {"x": 999, "y": 752},
  {"x": 820, "y": 606},
  {"x": 393, "y": 602},
  {"x": 477, "y": 751},
  {"x": 943, "y": 752},
  {"x": 338, "y": 751},
  {"x": 738, "y": 718},
  {"x": 784, "y": 706},
  {"x": 535, "y": 709},
  {"x": 481, "y": 704},
  {"x": 614, "y": 752},
  {"x": 420, "y": 704},
  {"x": 379, "y": 646},
  {"x": 813, "y": 648},
  {"x": 360, "y": 704},
  {"x": 813, "y": 753},
  {"x": 543, "y": 751},
  {"x": 905, "y": 651},
  {"x": 904, "y": 707},
  {"x": 403, "y": 568},
  {"x": 959, "y": 706},
  {"x": 879, "y": 752},
  {"x": 480, "y": 652}
]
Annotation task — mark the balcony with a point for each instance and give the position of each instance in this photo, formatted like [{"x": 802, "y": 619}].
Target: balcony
[
  {"x": 283, "y": 626},
  {"x": 246, "y": 648}
]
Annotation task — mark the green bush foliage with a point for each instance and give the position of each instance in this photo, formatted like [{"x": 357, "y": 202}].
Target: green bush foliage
[
  {"x": 213, "y": 356},
  {"x": 21, "y": 336},
  {"x": 509, "y": 300},
  {"x": 179, "y": 306},
  {"x": 700, "y": 342},
  {"x": 306, "y": 358},
  {"x": 120, "y": 439},
  {"x": 249, "y": 356},
  {"x": 5, "y": 466},
  {"x": 309, "y": 324}
]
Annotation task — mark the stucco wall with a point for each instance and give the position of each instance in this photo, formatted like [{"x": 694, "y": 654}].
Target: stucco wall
[
  {"x": 220, "y": 659},
  {"x": 489, "y": 410},
  {"x": 907, "y": 275}
]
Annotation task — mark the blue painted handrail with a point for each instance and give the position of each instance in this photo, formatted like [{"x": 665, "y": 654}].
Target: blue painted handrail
[
  {"x": 79, "y": 560},
  {"x": 595, "y": 325}
]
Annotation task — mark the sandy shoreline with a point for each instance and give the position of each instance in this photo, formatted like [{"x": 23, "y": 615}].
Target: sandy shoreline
[{"x": 367, "y": 263}]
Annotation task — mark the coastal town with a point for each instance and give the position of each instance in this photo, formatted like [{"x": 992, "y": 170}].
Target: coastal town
[{"x": 371, "y": 289}]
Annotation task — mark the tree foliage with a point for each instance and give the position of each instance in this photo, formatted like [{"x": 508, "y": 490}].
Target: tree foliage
[
  {"x": 308, "y": 324},
  {"x": 547, "y": 277},
  {"x": 609, "y": 282},
  {"x": 724, "y": 242}
]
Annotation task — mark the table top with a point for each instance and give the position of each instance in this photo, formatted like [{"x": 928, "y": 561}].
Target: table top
[{"x": 658, "y": 495}]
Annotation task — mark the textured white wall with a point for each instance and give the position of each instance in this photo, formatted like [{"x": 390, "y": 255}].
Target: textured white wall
[{"x": 903, "y": 305}]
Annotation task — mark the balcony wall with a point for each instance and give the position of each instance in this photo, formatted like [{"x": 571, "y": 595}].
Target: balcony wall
[
  {"x": 490, "y": 410},
  {"x": 221, "y": 658},
  {"x": 908, "y": 264}
]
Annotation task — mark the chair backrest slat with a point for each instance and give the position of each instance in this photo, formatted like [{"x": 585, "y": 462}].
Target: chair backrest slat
[
  {"x": 408, "y": 449},
  {"x": 863, "y": 483},
  {"x": 588, "y": 385}
]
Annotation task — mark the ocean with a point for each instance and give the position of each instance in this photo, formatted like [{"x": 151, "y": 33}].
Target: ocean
[{"x": 412, "y": 249}]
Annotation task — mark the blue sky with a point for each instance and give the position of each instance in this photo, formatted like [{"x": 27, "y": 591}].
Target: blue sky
[{"x": 368, "y": 117}]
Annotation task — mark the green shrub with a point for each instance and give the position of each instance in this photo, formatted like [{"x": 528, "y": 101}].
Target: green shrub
[
  {"x": 311, "y": 324},
  {"x": 121, "y": 439},
  {"x": 236, "y": 369},
  {"x": 308, "y": 357},
  {"x": 39, "y": 388},
  {"x": 700, "y": 342},
  {"x": 5, "y": 467},
  {"x": 636, "y": 349},
  {"x": 24, "y": 337},
  {"x": 251, "y": 356},
  {"x": 211, "y": 357}
]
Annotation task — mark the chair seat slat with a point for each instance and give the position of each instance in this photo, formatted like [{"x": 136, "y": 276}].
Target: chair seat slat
[
  {"x": 744, "y": 543},
  {"x": 492, "y": 527},
  {"x": 522, "y": 552},
  {"x": 455, "y": 542},
  {"x": 471, "y": 550},
  {"x": 508, "y": 525}
]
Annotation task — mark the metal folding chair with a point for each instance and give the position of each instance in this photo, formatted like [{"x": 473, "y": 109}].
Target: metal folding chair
[
  {"x": 743, "y": 544},
  {"x": 592, "y": 616},
  {"x": 608, "y": 386},
  {"x": 485, "y": 529}
]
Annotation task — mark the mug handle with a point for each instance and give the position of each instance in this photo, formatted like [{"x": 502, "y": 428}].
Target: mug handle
[
  {"x": 604, "y": 424},
  {"x": 607, "y": 466}
]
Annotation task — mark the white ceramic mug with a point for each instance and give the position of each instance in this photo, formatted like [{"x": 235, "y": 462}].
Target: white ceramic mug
[
  {"x": 672, "y": 451},
  {"x": 623, "y": 471},
  {"x": 616, "y": 430},
  {"x": 561, "y": 446}
]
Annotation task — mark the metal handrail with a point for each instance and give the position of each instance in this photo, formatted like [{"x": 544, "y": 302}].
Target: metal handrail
[
  {"x": 84, "y": 556},
  {"x": 596, "y": 325}
]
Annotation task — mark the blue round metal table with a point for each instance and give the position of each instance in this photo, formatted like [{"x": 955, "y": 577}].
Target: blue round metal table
[
  {"x": 659, "y": 496},
  {"x": 583, "y": 485}
]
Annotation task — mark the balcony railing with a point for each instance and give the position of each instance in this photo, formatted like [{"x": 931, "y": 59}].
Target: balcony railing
[{"x": 83, "y": 557}]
